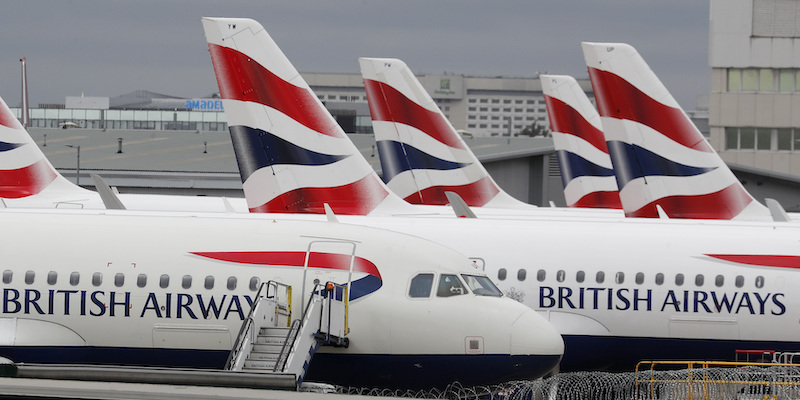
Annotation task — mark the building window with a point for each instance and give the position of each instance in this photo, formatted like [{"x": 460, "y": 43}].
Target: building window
[{"x": 786, "y": 80}]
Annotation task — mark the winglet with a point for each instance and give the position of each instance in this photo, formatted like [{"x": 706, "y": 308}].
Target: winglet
[
  {"x": 661, "y": 213},
  {"x": 460, "y": 207},
  {"x": 111, "y": 201},
  {"x": 778, "y": 212}
]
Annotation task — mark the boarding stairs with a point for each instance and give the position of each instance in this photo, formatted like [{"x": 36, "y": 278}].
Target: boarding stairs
[{"x": 270, "y": 342}]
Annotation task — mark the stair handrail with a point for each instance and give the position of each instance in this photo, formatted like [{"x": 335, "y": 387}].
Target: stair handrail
[
  {"x": 246, "y": 331},
  {"x": 330, "y": 295},
  {"x": 286, "y": 344}
]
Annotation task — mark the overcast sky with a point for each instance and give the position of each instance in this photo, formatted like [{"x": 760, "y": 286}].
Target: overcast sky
[{"x": 108, "y": 48}]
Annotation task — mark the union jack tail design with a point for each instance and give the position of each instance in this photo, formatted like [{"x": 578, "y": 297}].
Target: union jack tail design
[
  {"x": 586, "y": 170},
  {"x": 293, "y": 157},
  {"x": 422, "y": 155},
  {"x": 660, "y": 158},
  {"x": 26, "y": 176}
]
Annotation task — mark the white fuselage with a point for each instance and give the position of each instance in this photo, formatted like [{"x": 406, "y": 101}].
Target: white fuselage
[{"x": 136, "y": 288}]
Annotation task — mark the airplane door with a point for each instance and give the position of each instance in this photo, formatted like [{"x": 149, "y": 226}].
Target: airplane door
[{"x": 327, "y": 261}]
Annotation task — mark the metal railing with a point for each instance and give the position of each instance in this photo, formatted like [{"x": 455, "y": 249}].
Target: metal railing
[
  {"x": 709, "y": 380},
  {"x": 247, "y": 334}
]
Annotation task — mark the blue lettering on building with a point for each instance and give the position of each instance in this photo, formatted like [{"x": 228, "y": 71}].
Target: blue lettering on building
[{"x": 204, "y": 105}]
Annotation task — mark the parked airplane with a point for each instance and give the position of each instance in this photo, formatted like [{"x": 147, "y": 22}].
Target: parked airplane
[
  {"x": 27, "y": 179},
  {"x": 121, "y": 287},
  {"x": 586, "y": 170},
  {"x": 660, "y": 158},
  {"x": 625, "y": 283},
  {"x": 422, "y": 156}
]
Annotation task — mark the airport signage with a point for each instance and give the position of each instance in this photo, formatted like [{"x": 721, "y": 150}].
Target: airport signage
[{"x": 204, "y": 105}]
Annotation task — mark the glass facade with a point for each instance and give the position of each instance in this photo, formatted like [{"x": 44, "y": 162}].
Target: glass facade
[{"x": 127, "y": 119}]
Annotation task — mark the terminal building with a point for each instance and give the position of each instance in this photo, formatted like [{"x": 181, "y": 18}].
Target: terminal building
[{"x": 752, "y": 118}]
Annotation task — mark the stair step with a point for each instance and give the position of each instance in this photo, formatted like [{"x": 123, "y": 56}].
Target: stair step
[
  {"x": 272, "y": 340},
  {"x": 257, "y": 355},
  {"x": 259, "y": 365},
  {"x": 273, "y": 331},
  {"x": 267, "y": 348}
]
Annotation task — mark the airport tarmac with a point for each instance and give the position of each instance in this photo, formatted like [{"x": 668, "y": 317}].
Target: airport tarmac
[{"x": 72, "y": 389}]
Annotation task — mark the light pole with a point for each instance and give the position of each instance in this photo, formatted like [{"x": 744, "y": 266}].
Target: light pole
[{"x": 78, "y": 169}]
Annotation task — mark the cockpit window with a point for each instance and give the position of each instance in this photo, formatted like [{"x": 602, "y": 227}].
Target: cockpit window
[
  {"x": 481, "y": 285},
  {"x": 421, "y": 286},
  {"x": 450, "y": 285}
]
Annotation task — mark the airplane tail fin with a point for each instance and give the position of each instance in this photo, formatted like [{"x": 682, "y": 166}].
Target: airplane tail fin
[
  {"x": 586, "y": 170},
  {"x": 659, "y": 156},
  {"x": 422, "y": 155},
  {"x": 25, "y": 173},
  {"x": 293, "y": 157}
]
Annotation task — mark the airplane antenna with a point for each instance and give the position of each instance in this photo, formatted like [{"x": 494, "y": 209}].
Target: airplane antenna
[
  {"x": 26, "y": 118},
  {"x": 329, "y": 213},
  {"x": 778, "y": 212},
  {"x": 460, "y": 206}
]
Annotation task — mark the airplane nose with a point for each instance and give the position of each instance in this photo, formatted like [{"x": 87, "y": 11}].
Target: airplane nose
[{"x": 532, "y": 334}]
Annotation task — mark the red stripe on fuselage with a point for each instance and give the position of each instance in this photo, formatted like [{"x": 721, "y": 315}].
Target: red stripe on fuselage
[
  {"x": 724, "y": 204},
  {"x": 617, "y": 98},
  {"x": 357, "y": 198},
  {"x": 295, "y": 259},
  {"x": 242, "y": 78},
  {"x": 765, "y": 260},
  {"x": 475, "y": 194},
  {"x": 24, "y": 182},
  {"x": 388, "y": 104},
  {"x": 567, "y": 120}
]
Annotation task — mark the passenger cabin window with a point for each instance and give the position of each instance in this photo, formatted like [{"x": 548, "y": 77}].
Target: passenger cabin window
[
  {"x": 540, "y": 275},
  {"x": 119, "y": 279},
  {"x": 561, "y": 275},
  {"x": 74, "y": 278},
  {"x": 141, "y": 280},
  {"x": 481, "y": 285},
  {"x": 97, "y": 279},
  {"x": 759, "y": 282},
  {"x": 501, "y": 274},
  {"x": 600, "y": 277},
  {"x": 659, "y": 278},
  {"x": 186, "y": 282},
  {"x": 231, "y": 283},
  {"x": 719, "y": 281},
  {"x": 521, "y": 275},
  {"x": 679, "y": 279},
  {"x": 52, "y": 277},
  {"x": 163, "y": 282},
  {"x": 450, "y": 285},
  {"x": 420, "y": 286},
  {"x": 580, "y": 276},
  {"x": 29, "y": 276},
  {"x": 639, "y": 278},
  {"x": 699, "y": 280},
  {"x": 619, "y": 278},
  {"x": 209, "y": 282},
  {"x": 739, "y": 281},
  {"x": 7, "y": 274},
  {"x": 254, "y": 282}
]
